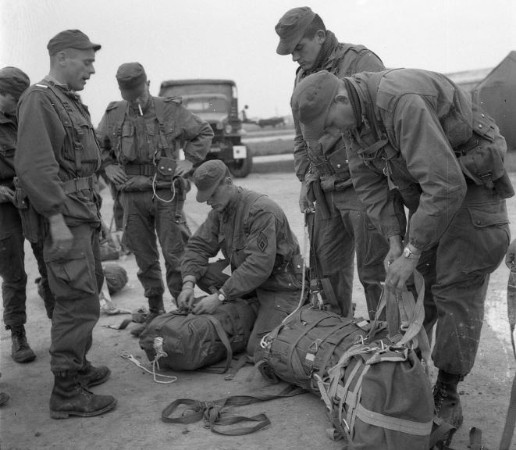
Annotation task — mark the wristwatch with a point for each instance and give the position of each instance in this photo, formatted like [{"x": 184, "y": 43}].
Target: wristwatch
[
  {"x": 221, "y": 297},
  {"x": 409, "y": 254}
]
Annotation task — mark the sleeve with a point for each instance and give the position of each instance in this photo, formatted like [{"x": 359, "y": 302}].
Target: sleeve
[
  {"x": 260, "y": 255},
  {"x": 202, "y": 246},
  {"x": 106, "y": 145},
  {"x": 383, "y": 207},
  {"x": 369, "y": 62},
  {"x": 197, "y": 135},
  {"x": 40, "y": 133},
  {"x": 432, "y": 163}
]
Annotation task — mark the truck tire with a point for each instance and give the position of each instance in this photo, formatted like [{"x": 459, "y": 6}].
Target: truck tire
[{"x": 241, "y": 168}]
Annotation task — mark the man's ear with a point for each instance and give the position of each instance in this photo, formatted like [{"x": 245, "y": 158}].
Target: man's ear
[{"x": 320, "y": 36}]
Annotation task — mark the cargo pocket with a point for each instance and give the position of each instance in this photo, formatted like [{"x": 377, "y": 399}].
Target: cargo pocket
[
  {"x": 71, "y": 277},
  {"x": 481, "y": 235},
  {"x": 127, "y": 143}
]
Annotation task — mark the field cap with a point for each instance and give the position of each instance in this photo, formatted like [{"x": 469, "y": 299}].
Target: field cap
[
  {"x": 13, "y": 81},
  {"x": 312, "y": 100},
  {"x": 70, "y": 39},
  {"x": 291, "y": 28},
  {"x": 131, "y": 79},
  {"x": 208, "y": 176}
]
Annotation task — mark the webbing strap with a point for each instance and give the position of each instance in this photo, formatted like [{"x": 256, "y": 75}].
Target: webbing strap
[
  {"x": 224, "y": 339},
  {"x": 394, "y": 423},
  {"x": 214, "y": 413},
  {"x": 78, "y": 184}
]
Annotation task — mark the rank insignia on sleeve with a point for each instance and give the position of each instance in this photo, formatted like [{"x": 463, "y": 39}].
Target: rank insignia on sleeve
[{"x": 262, "y": 242}]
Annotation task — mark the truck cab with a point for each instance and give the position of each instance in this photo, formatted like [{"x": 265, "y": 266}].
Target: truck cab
[{"x": 216, "y": 101}]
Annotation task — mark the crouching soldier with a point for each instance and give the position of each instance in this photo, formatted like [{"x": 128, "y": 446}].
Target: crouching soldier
[
  {"x": 261, "y": 254},
  {"x": 417, "y": 132}
]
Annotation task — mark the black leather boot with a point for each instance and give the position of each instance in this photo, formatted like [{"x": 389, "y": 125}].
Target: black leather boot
[
  {"x": 156, "y": 308},
  {"x": 93, "y": 376},
  {"x": 70, "y": 398},
  {"x": 447, "y": 401},
  {"x": 20, "y": 351}
]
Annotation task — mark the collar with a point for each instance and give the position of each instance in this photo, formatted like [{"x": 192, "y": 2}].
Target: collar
[{"x": 231, "y": 207}]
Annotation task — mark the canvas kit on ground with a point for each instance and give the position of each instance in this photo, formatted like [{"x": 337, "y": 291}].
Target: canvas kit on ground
[{"x": 193, "y": 341}]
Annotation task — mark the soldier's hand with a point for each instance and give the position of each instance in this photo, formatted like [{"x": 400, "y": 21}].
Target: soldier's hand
[
  {"x": 399, "y": 272},
  {"x": 183, "y": 168},
  {"x": 510, "y": 258},
  {"x": 395, "y": 251},
  {"x": 62, "y": 237},
  {"x": 6, "y": 195},
  {"x": 207, "y": 305},
  {"x": 186, "y": 297},
  {"x": 304, "y": 203},
  {"x": 116, "y": 174}
]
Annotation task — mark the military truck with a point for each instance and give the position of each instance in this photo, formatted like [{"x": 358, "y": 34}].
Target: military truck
[{"x": 216, "y": 101}]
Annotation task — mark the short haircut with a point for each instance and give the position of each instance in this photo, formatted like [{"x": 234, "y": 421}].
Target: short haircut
[{"x": 316, "y": 25}]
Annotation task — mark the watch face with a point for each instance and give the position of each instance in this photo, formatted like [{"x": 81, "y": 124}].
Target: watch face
[
  {"x": 222, "y": 298},
  {"x": 407, "y": 253}
]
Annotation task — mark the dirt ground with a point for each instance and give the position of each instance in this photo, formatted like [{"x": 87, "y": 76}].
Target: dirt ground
[{"x": 298, "y": 422}]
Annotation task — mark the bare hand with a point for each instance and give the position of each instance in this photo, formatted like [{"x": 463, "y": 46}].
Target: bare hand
[
  {"x": 183, "y": 168},
  {"x": 62, "y": 238},
  {"x": 399, "y": 272},
  {"x": 395, "y": 251},
  {"x": 186, "y": 297},
  {"x": 116, "y": 174},
  {"x": 6, "y": 195},
  {"x": 510, "y": 259},
  {"x": 207, "y": 305},
  {"x": 304, "y": 203}
]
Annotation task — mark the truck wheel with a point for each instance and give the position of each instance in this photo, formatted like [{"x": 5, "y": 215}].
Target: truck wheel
[{"x": 242, "y": 167}]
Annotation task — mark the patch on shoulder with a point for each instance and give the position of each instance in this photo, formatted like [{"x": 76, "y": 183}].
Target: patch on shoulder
[{"x": 263, "y": 242}]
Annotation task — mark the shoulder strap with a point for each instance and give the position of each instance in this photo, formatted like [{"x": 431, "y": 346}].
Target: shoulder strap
[
  {"x": 159, "y": 108},
  {"x": 243, "y": 214}
]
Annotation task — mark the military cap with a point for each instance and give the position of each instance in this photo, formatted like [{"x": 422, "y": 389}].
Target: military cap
[
  {"x": 291, "y": 28},
  {"x": 311, "y": 102},
  {"x": 208, "y": 176},
  {"x": 131, "y": 79},
  {"x": 70, "y": 39},
  {"x": 13, "y": 81}
]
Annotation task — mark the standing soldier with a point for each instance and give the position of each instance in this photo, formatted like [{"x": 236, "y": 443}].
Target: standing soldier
[
  {"x": 56, "y": 161},
  {"x": 13, "y": 83},
  {"x": 340, "y": 225},
  {"x": 140, "y": 137},
  {"x": 416, "y": 131},
  {"x": 260, "y": 253}
]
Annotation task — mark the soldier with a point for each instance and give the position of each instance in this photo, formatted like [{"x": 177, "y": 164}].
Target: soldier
[
  {"x": 56, "y": 161},
  {"x": 260, "y": 253},
  {"x": 13, "y": 82},
  {"x": 340, "y": 225},
  {"x": 140, "y": 138},
  {"x": 418, "y": 132}
]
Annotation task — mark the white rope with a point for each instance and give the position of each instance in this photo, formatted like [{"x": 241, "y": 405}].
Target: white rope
[{"x": 154, "y": 364}]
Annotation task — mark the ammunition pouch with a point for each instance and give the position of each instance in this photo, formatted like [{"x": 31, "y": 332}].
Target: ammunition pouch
[
  {"x": 33, "y": 223},
  {"x": 166, "y": 168},
  {"x": 481, "y": 158}
]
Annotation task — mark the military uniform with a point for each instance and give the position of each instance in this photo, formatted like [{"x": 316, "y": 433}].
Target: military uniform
[
  {"x": 418, "y": 124},
  {"x": 344, "y": 228},
  {"x": 56, "y": 160},
  {"x": 147, "y": 147},
  {"x": 260, "y": 256},
  {"x": 12, "y": 255}
]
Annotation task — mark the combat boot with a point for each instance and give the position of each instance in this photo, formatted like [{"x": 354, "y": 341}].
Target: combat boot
[
  {"x": 20, "y": 351},
  {"x": 93, "y": 376},
  {"x": 156, "y": 308},
  {"x": 70, "y": 398},
  {"x": 447, "y": 401}
]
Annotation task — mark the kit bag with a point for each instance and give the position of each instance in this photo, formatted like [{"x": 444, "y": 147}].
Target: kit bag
[
  {"x": 376, "y": 390},
  {"x": 193, "y": 341}
]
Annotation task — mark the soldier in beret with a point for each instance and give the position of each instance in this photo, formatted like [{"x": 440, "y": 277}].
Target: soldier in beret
[
  {"x": 140, "y": 138},
  {"x": 56, "y": 161},
  {"x": 261, "y": 253},
  {"x": 340, "y": 227}
]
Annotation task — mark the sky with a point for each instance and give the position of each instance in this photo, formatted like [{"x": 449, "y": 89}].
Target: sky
[{"x": 236, "y": 39}]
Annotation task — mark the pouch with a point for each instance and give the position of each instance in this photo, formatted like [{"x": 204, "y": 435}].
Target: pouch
[{"x": 166, "y": 169}]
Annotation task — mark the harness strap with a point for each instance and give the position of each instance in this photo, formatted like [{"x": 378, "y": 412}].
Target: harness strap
[
  {"x": 393, "y": 423},
  {"x": 140, "y": 169},
  {"x": 215, "y": 416},
  {"x": 78, "y": 184},
  {"x": 225, "y": 341}
]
